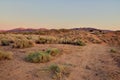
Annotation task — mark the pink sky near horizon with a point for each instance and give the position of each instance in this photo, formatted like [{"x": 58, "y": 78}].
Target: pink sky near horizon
[
  {"x": 100, "y": 14},
  {"x": 7, "y": 27},
  {"x": 55, "y": 26}
]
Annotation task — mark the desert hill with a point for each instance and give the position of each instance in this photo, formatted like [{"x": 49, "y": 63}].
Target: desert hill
[{"x": 59, "y": 54}]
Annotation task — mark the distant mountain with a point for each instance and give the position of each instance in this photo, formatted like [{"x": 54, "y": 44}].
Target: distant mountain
[
  {"x": 91, "y": 29},
  {"x": 25, "y": 30},
  {"x": 44, "y": 29},
  {"x": 20, "y": 30},
  {"x": 2, "y": 30}
]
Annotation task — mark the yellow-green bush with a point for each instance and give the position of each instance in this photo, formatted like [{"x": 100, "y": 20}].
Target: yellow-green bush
[
  {"x": 6, "y": 55},
  {"x": 65, "y": 41},
  {"x": 5, "y": 42},
  {"x": 41, "y": 40},
  {"x": 23, "y": 43},
  {"x": 46, "y": 40},
  {"x": 53, "y": 51},
  {"x": 72, "y": 42},
  {"x": 37, "y": 57},
  {"x": 79, "y": 42},
  {"x": 42, "y": 56}
]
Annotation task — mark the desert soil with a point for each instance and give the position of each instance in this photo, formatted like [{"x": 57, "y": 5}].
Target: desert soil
[{"x": 90, "y": 62}]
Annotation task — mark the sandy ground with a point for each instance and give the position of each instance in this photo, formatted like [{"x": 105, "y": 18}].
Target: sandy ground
[{"x": 91, "y": 62}]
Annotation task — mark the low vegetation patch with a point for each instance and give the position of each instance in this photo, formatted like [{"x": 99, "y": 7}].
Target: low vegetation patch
[
  {"x": 72, "y": 42},
  {"x": 53, "y": 40},
  {"x": 113, "y": 51},
  {"x": 6, "y": 55},
  {"x": 59, "y": 71},
  {"x": 53, "y": 51},
  {"x": 65, "y": 41},
  {"x": 37, "y": 57},
  {"x": 42, "y": 56},
  {"x": 116, "y": 56},
  {"x": 23, "y": 43},
  {"x": 79, "y": 42},
  {"x": 41, "y": 40},
  {"x": 5, "y": 42},
  {"x": 55, "y": 71},
  {"x": 46, "y": 40}
]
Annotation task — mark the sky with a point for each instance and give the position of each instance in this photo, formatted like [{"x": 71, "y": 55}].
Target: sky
[{"x": 102, "y": 14}]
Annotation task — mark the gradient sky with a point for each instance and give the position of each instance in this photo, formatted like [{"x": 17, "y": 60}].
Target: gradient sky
[{"x": 103, "y": 14}]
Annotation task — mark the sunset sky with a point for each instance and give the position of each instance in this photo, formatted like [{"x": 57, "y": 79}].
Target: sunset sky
[{"x": 102, "y": 14}]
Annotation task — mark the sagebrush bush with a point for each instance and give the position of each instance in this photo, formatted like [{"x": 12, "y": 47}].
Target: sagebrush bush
[
  {"x": 23, "y": 43},
  {"x": 29, "y": 37},
  {"x": 41, "y": 40},
  {"x": 46, "y": 40},
  {"x": 79, "y": 42},
  {"x": 59, "y": 71},
  {"x": 6, "y": 55},
  {"x": 72, "y": 42},
  {"x": 37, "y": 57},
  {"x": 42, "y": 56},
  {"x": 5, "y": 42},
  {"x": 53, "y": 51},
  {"x": 65, "y": 41}
]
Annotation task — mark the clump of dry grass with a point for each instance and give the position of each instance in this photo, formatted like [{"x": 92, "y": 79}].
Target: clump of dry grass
[
  {"x": 53, "y": 51},
  {"x": 116, "y": 56},
  {"x": 23, "y": 43},
  {"x": 65, "y": 41},
  {"x": 41, "y": 40},
  {"x": 29, "y": 37},
  {"x": 55, "y": 71},
  {"x": 42, "y": 56},
  {"x": 79, "y": 42},
  {"x": 6, "y": 55},
  {"x": 72, "y": 42},
  {"x": 59, "y": 71},
  {"x": 5, "y": 42},
  {"x": 113, "y": 51},
  {"x": 46, "y": 40}
]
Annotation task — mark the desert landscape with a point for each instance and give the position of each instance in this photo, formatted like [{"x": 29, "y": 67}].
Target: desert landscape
[
  {"x": 59, "y": 54},
  {"x": 59, "y": 39}
]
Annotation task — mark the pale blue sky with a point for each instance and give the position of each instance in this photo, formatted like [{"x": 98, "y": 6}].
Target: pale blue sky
[{"x": 103, "y": 14}]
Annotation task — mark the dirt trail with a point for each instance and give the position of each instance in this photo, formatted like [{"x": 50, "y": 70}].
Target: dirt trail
[
  {"x": 91, "y": 62},
  {"x": 95, "y": 63}
]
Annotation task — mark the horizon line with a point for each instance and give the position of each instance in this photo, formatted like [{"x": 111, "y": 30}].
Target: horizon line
[{"x": 55, "y": 28}]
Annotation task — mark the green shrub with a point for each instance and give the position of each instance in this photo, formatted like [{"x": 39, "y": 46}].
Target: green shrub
[
  {"x": 79, "y": 42},
  {"x": 23, "y": 43},
  {"x": 42, "y": 56},
  {"x": 72, "y": 42},
  {"x": 65, "y": 41},
  {"x": 6, "y": 55},
  {"x": 5, "y": 42},
  {"x": 59, "y": 71},
  {"x": 37, "y": 57},
  {"x": 41, "y": 41},
  {"x": 53, "y": 51},
  {"x": 46, "y": 40},
  {"x": 51, "y": 40}
]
